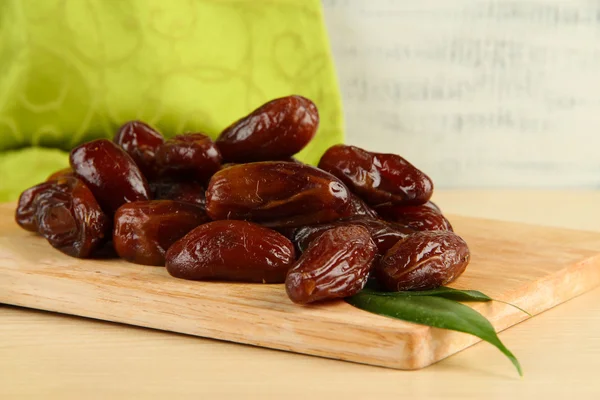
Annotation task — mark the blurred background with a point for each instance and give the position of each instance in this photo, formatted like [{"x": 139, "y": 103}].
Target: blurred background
[{"x": 477, "y": 93}]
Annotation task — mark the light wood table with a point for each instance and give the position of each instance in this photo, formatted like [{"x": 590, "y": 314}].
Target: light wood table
[{"x": 44, "y": 355}]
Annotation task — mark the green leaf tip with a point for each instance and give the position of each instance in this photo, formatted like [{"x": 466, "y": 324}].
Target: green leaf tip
[{"x": 434, "y": 310}]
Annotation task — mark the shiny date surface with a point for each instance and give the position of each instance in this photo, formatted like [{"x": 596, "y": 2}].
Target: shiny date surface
[
  {"x": 423, "y": 261},
  {"x": 335, "y": 265},
  {"x": 231, "y": 251},
  {"x": 144, "y": 230},
  {"x": 68, "y": 216},
  {"x": 277, "y": 194},
  {"x": 377, "y": 178},
  {"x": 26, "y": 206},
  {"x": 186, "y": 191},
  {"x": 61, "y": 173},
  {"x": 426, "y": 217},
  {"x": 110, "y": 173},
  {"x": 384, "y": 234},
  {"x": 275, "y": 131},
  {"x": 360, "y": 208},
  {"x": 192, "y": 155},
  {"x": 141, "y": 142}
]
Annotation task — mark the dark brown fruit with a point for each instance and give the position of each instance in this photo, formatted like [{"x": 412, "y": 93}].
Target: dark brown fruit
[
  {"x": 61, "y": 173},
  {"x": 426, "y": 217},
  {"x": 384, "y": 234},
  {"x": 335, "y": 265},
  {"x": 186, "y": 191},
  {"x": 275, "y": 131},
  {"x": 423, "y": 261},
  {"x": 68, "y": 216},
  {"x": 231, "y": 251},
  {"x": 141, "y": 142},
  {"x": 110, "y": 173},
  {"x": 360, "y": 208},
  {"x": 277, "y": 194},
  {"x": 25, "y": 213},
  {"x": 377, "y": 178},
  {"x": 192, "y": 156},
  {"x": 144, "y": 230}
]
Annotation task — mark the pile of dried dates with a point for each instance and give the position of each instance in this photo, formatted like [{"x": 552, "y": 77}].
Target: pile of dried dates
[{"x": 241, "y": 208}]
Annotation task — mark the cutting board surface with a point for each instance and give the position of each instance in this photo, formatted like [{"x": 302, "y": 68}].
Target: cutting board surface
[{"x": 533, "y": 267}]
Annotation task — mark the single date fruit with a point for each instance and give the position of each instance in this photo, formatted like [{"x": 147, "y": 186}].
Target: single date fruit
[
  {"x": 335, "y": 265},
  {"x": 25, "y": 213},
  {"x": 144, "y": 230},
  {"x": 360, "y": 208},
  {"x": 193, "y": 155},
  {"x": 384, "y": 234},
  {"x": 426, "y": 217},
  {"x": 68, "y": 216},
  {"x": 275, "y": 131},
  {"x": 377, "y": 178},
  {"x": 186, "y": 191},
  {"x": 231, "y": 251},
  {"x": 141, "y": 142},
  {"x": 61, "y": 173},
  {"x": 110, "y": 173},
  {"x": 423, "y": 261},
  {"x": 277, "y": 194}
]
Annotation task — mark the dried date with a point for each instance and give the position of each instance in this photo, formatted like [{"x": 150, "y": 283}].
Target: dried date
[
  {"x": 426, "y": 217},
  {"x": 275, "y": 131},
  {"x": 384, "y": 234},
  {"x": 110, "y": 173},
  {"x": 377, "y": 178},
  {"x": 61, "y": 173},
  {"x": 231, "y": 251},
  {"x": 25, "y": 213},
  {"x": 141, "y": 142},
  {"x": 193, "y": 155},
  {"x": 423, "y": 261},
  {"x": 68, "y": 216},
  {"x": 186, "y": 191},
  {"x": 144, "y": 230},
  {"x": 277, "y": 194},
  {"x": 360, "y": 208},
  {"x": 335, "y": 265}
]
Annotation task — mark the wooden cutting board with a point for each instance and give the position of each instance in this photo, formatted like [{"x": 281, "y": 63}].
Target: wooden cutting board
[{"x": 533, "y": 267}]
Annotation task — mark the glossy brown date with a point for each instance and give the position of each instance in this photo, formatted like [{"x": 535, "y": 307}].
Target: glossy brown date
[
  {"x": 275, "y": 131},
  {"x": 426, "y": 217},
  {"x": 360, "y": 208},
  {"x": 192, "y": 155},
  {"x": 277, "y": 194},
  {"x": 68, "y": 216},
  {"x": 186, "y": 191},
  {"x": 423, "y": 261},
  {"x": 25, "y": 213},
  {"x": 384, "y": 234},
  {"x": 61, "y": 173},
  {"x": 141, "y": 142},
  {"x": 335, "y": 265},
  {"x": 377, "y": 178},
  {"x": 231, "y": 251},
  {"x": 110, "y": 173},
  {"x": 144, "y": 230}
]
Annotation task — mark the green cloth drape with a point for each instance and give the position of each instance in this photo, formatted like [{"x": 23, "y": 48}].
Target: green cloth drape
[{"x": 74, "y": 70}]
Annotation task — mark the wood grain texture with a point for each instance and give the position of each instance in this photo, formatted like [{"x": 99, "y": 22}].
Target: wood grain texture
[{"x": 533, "y": 267}]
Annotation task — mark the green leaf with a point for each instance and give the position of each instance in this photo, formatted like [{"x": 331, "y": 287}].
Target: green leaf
[
  {"x": 438, "y": 312},
  {"x": 447, "y": 293}
]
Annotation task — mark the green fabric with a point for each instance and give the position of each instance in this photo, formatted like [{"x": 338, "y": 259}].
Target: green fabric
[{"x": 74, "y": 70}]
